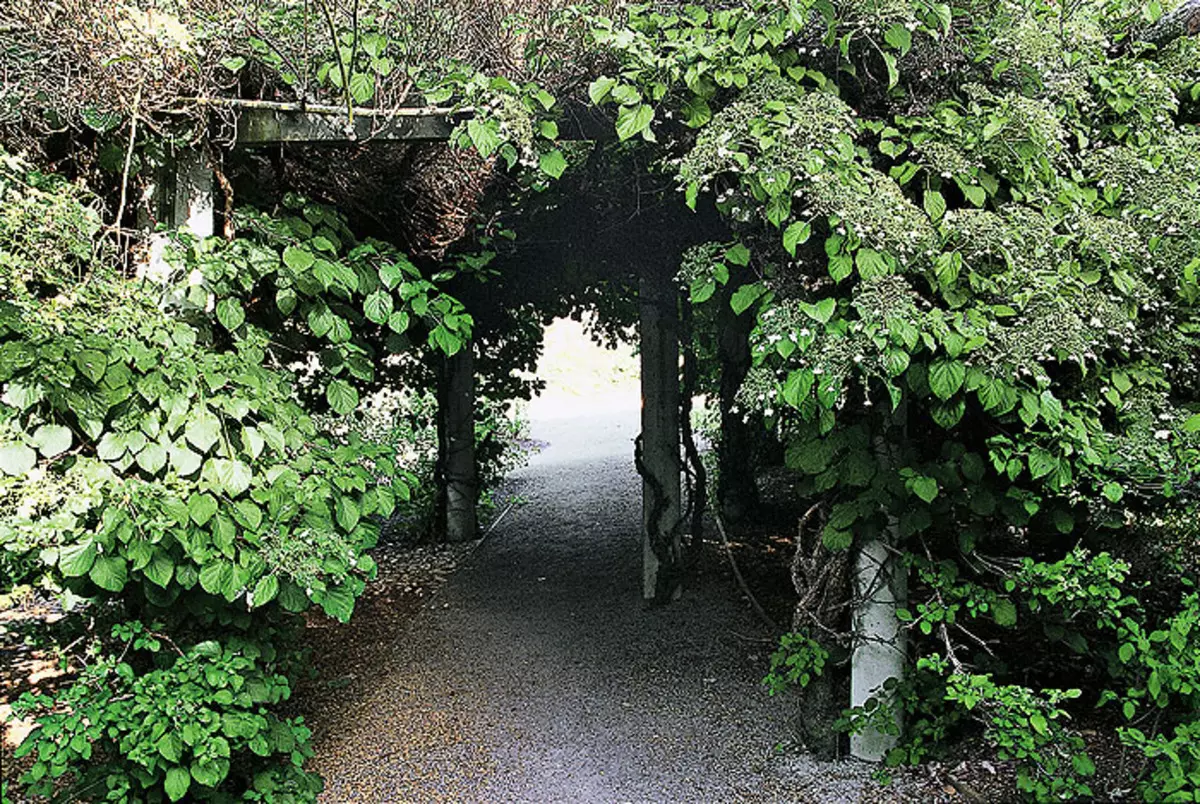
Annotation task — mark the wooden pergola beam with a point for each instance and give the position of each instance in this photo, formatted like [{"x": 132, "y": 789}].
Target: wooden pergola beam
[
  {"x": 275, "y": 126},
  {"x": 262, "y": 123}
]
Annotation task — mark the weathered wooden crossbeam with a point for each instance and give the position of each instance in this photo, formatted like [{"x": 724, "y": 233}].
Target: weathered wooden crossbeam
[
  {"x": 271, "y": 127},
  {"x": 271, "y": 123}
]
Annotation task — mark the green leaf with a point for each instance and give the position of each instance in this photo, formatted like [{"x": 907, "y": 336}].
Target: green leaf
[
  {"x": 230, "y": 476},
  {"x": 183, "y": 460},
  {"x": 822, "y": 311},
  {"x": 483, "y": 136},
  {"x": 201, "y": 508},
  {"x": 230, "y": 314},
  {"x": 152, "y": 458},
  {"x": 946, "y": 377},
  {"x": 232, "y": 64},
  {"x": 109, "y": 573},
  {"x": 634, "y": 120},
  {"x": 292, "y": 597},
  {"x": 253, "y": 442},
  {"x": 342, "y": 396},
  {"x": 778, "y": 209},
  {"x": 203, "y": 431},
  {"x": 362, "y": 87},
  {"x": 974, "y": 193},
  {"x": 899, "y": 37},
  {"x": 99, "y": 121},
  {"x": 1004, "y": 612},
  {"x": 1052, "y": 409},
  {"x": 217, "y": 577},
  {"x": 111, "y": 447},
  {"x": 935, "y": 205},
  {"x": 696, "y": 112},
  {"x": 925, "y": 487},
  {"x": 16, "y": 459},
  {"x": 92, "y": 364},
  {"x": 799, "y": 384},
  {"x": 160, "y": 570},
  {"x": 973, "y": 467},
  {"x": 347, "y": 513},
  {"x": 1125, "y": 652},
  {"x": 1192, "y": 425},
  {"x": 553, "y": 163},
  {"x": 298, "y": 259},
  {"x": 177, "y": 783},
  {"x": 391, "y": 275},
  {"x": 745, "y": 296},
  {"x": 285, "y": 300},
  {"x": 338, "y": 603},
  {"x": 398, "y": 322},
  {"x": 265, "y": 590},
  {"x": 170, "y": 746},
  {"x": 52, "y": 440},
  {"x": 1038, "y": 721},
  {"x": 599, "y": 89},
  {"x": 947, "y": 414},
  {"x": 1041, "y": 462},
  {"x": 836, "y": 539},
  {"x": 378, "y": 306},
  {"x": 796, "y": 234},
  {"x": 701, "y": 290},
  {"x": 1114, "y": 492},
  {"x": 893, "y": 71},
  {"x": 738, "y": 254},
  {"x": 210, "y": 772},
  {"x": 75, "y": 560},
  {"x": 840, "y": 266}
]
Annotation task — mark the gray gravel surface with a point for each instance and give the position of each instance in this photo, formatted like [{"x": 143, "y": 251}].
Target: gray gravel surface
[{"x": 537, "y": 673}]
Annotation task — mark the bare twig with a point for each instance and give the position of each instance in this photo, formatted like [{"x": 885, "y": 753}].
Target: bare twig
[
  {"x": 133, "y": 123},
  {"x": 741, "y": 580},
  {"x": 337, "y": 50}
]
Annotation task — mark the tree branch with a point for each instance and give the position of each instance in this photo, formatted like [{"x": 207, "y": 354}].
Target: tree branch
[{"x": 1181, "y": 22}]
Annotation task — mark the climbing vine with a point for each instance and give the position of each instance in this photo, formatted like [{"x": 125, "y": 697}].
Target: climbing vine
[{"x": 975, "y": 306}]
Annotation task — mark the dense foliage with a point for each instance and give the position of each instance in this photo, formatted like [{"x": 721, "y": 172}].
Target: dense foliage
[
  {"x": 975, "y": 298},
  {"x": 968, "y": 235},
  {"x": 165, "y": 462}
]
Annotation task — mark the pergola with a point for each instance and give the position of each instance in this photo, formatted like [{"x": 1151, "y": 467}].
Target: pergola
[{"x": 188, "y": 199}]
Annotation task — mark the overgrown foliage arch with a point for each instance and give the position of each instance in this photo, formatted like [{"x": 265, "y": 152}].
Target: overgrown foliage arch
[{"x": 967, "y": 237}]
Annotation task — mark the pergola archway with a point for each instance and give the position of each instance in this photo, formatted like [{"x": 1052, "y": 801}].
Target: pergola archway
[{"x": 188, "y": 200}]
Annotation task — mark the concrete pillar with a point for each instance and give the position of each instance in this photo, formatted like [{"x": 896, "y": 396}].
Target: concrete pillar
[
  {"x": 879, "y": 652},
  {"x": 182, "y": 201},
  {"x": 194, "y": 208},
  {"x": 880, "y": 586},
  {"x": 661, "y": 465}
]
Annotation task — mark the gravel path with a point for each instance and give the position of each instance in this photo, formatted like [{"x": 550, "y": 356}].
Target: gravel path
[{"x": 538, "y": 674}]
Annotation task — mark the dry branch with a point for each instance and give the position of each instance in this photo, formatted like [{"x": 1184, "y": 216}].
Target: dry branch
[
  {"x": 1182, "y": 21},
  {"x": 741, "y": 580}
]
